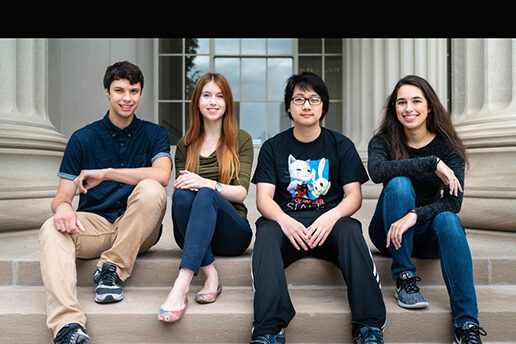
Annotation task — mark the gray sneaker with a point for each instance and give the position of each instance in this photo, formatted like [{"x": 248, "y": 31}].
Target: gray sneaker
[{"x": 407, "y": 292}]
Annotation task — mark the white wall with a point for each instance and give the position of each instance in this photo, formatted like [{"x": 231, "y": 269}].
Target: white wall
[{"x": 76, "y": 94}]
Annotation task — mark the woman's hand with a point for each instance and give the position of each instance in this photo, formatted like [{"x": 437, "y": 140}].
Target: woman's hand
[
  {"x": 191, "y": 181},
  {"x": 447, "y": 175},
  {"x": 399, "y": 227}
]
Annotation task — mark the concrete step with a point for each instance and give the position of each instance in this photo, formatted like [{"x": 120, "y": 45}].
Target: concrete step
[
  {"x": 493, "y": 253},
  {"x": 320, "y": 300},
  {"x": 322, "y": 317}
]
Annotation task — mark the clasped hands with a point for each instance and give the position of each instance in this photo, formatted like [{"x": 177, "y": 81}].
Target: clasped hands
[
  {"x": 308, "y": 237},
  {"x": 189, "y": 180}
]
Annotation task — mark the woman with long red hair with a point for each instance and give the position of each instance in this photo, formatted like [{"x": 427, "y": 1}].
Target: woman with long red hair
[{"x": 213, "y": 165}]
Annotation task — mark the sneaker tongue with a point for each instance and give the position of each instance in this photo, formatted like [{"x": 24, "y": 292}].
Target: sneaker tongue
[
  {"x": 469, "y": 325},
  {"x": 406, "y": 275}
]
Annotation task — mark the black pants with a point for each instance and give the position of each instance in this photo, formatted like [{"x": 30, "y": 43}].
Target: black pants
[{"x": 345, "y": 247}]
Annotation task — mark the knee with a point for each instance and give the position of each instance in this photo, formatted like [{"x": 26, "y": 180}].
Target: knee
[
  {"x": 46, "y": 230},
  {"x": 206, "y": 193},
  {"x": 150, "y": 191},
  {"x": 399, "y": 184},
  {"x": 49, "y": 236},
  {"x": 182, "y": 198},
  {"x": 347, "y": 228},
  {"x": 268, "y": 233},
  {"x": 447, "y": 224}
]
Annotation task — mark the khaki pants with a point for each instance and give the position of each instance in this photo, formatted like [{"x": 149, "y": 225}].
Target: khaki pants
[{"x": 117, "y": 244}]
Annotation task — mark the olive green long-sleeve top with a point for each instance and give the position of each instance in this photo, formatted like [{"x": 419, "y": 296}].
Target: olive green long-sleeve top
[{"x": 209, "y": 168}]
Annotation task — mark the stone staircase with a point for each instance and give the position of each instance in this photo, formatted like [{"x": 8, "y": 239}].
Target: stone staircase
[{"x": 317, "y": 290}]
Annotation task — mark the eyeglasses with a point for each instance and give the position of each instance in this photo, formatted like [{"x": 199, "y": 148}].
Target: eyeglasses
[{"x": 302, "y": 100}]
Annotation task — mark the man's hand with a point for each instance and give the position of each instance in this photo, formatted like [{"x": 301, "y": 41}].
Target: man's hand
[
  {"x": 321, "y": 228},
  {"x": 92, "y": 178},
  {"x": 294, "y": 231},
  {"x": 66, "y": 220}
]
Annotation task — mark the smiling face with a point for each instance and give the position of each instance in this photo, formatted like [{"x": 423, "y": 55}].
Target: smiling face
[
  {"x": 305, "y": 114},
  {"x": 123, "y": 100},
  {"x": 412, "y": 108},
  {"x": 211, "y": 103}
]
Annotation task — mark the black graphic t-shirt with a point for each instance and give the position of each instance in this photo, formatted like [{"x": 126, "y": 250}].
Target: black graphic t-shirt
[{"x": 310, "y": 175}]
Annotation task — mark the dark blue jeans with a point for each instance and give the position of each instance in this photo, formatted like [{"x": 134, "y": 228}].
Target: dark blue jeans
[
  {"x": 442, "y": 237},
  {"x": 205, "y": 223}
]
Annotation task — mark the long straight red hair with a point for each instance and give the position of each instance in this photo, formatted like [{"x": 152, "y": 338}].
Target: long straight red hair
[{"x": 227, "y": 155}]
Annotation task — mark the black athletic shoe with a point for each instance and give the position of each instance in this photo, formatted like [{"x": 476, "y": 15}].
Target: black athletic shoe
[
  {"x": 269, "y": 338},
  {"x": 369, "y": 335},
  {"x": 72, "y": 333},
  {"x": 107, "y": 290},
  {"x": 469, "y": 333}
]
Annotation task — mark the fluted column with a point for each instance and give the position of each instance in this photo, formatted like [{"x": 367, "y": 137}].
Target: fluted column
[
  {"x": 484, "y": 113},
  {"x": 30, "y": 146},
  {"x": 372, "y": 67}
]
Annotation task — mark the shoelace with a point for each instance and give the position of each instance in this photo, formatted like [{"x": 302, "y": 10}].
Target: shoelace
[
  {"x": 409, "y": 285},
  {"x": 107, "y": 277},
  {"x": 369, "y": 336},
  {"x": 472, "y": 335}
]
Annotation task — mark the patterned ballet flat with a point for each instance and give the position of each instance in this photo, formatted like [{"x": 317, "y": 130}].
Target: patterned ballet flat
[
  {"x": 172, "y": 316},
  {"x": 208, "y": 297}
]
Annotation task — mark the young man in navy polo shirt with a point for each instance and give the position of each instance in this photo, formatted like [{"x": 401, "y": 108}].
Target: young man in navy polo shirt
[{"x": 120, "y": 165}]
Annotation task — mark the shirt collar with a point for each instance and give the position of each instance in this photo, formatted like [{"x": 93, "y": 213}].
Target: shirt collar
[{"x": 135, "y": 124}]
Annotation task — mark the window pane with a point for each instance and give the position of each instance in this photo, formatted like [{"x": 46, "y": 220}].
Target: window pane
[
  {"x": 225, "y": 46},
  {"x": 170, "y": 80},
  {"x": 277, "y": 118},
  {"x": 310, "y": 64},
  {"x": 309, "y": 46},
  {"x": 195, "y": 67},
  {"x": 333, "y": 45},
  {"x": 279, "y": 46},
  {"x": 230, "y": 68},
  {"x": 171, "y": 117},
  {"x": 333, "y": 76},
  {"x": 253, "y": 78},
  {"x": 171, "y": 46},
  {"x": 253, "y": 46},
  {"x": 252, "y": 120},
  {"x": 333, "y": 119},
  {"x": 279, "y": 70},
  {"x": 197, "y": 46}
]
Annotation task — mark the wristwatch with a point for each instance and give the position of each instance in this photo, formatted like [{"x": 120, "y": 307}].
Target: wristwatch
[
  {"x": 218, "y": 187},
  {"x": 413, "y": 210}
]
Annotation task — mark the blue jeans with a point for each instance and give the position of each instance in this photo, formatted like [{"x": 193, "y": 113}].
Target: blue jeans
[
  {"x": 205, "y": 223},
  {"x": 442, "y": 237}
]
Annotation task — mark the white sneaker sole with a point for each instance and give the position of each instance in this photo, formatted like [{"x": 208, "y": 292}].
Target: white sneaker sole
[{"x": 422, "y": 304}]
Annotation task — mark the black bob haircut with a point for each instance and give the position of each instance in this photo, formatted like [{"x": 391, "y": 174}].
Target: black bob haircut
[{"x": 306, "y": 81}]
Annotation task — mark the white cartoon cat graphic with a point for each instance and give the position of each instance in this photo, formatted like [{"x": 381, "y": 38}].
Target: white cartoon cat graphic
[{"x": 301, "y": 177}]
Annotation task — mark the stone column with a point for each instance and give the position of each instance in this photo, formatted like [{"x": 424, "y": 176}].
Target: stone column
[
  {"x": 372, "y": 67},
  {"x": 484, "y": 113},
  {"x": 30, "y": 146}
]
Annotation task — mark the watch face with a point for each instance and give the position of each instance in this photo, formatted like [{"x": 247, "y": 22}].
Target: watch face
[{"x": 218, "y": 187}]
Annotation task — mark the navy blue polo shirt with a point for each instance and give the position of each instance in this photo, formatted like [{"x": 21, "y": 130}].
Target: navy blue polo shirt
[{"x": 100, "y": 145}]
